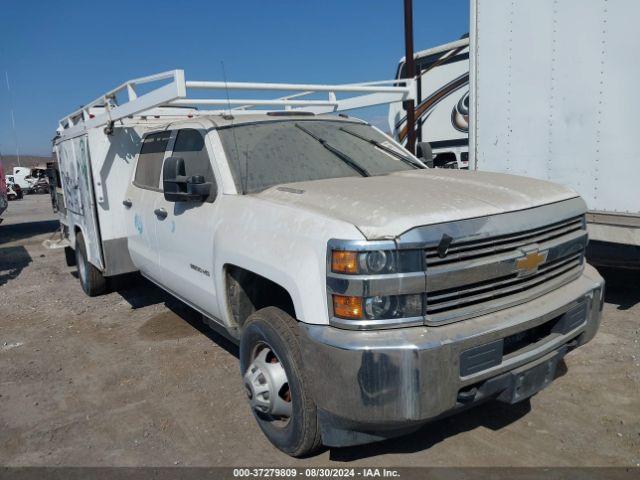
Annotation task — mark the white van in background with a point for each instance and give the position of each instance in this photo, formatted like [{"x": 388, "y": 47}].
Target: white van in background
[{"x": 22, "y": 176}]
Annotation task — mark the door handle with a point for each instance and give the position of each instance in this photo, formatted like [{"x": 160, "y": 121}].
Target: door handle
[
  {"x": 161, "y": 213},
  {"x": 127, "y": 203}
]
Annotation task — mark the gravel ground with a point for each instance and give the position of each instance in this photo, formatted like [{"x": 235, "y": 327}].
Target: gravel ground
[{"x": 133, "y": 378}]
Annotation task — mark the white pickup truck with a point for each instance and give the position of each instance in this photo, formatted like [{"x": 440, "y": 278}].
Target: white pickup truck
[{"x": 368, "y": 293}]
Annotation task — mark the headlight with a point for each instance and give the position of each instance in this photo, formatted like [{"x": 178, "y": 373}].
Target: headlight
[
  {"x": 378, "y": 307},
  {"x": 376, "y": 262}
]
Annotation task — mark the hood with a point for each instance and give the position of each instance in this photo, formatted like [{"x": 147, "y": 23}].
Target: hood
[{"x": 386, "y": 206}]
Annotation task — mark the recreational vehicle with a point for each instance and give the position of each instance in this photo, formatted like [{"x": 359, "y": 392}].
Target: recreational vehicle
[{"x": 442, "y": 103}]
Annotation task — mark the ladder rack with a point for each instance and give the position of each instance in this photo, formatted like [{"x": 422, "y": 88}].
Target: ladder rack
[{"x": 173, "y": 92}]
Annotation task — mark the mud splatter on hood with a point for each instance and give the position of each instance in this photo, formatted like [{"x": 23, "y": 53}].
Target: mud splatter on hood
[{"x": 386, "y": 206}]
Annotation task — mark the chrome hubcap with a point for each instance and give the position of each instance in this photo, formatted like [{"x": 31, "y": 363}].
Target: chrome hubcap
[{"x": 267, "y": 385}]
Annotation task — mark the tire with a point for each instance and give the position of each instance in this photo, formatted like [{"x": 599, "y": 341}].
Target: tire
[
  {"x": 70, "y": 257},
  {"x": 272, "y": 329},
  {"x": 92, "y": 281}
]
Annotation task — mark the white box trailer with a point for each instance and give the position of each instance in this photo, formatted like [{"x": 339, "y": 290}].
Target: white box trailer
[{"x": 553, "y": 96}]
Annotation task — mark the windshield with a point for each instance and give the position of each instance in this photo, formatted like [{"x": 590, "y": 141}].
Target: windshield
[{"x": 270, "y": 153}]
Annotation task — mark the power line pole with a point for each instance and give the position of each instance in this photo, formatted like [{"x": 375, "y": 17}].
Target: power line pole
[
  {"x": 13, "y": 119},
  {"x": 410, "y": 72}
]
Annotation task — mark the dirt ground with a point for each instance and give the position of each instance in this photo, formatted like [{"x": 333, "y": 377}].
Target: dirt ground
[{"x": 133, "y": 378}]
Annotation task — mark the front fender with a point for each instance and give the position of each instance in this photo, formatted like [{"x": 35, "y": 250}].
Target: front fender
[{"x": 284, "y": 244}]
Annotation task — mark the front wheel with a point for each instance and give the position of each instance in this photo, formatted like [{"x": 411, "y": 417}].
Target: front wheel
[
  {"x": 92, "y": 281},
  {"x": 271, "y": 364}
]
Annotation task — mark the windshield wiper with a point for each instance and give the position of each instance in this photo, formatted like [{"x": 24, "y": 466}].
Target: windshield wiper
[
  {"x": 341, "y": 155},
  {"x": 391, "y": 151}
]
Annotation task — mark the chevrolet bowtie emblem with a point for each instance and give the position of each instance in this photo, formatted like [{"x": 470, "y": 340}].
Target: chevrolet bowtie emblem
[{"x": 530, "y": 262}]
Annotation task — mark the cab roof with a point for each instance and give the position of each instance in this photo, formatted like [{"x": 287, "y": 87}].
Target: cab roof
[{"x": 224, "y": 119}]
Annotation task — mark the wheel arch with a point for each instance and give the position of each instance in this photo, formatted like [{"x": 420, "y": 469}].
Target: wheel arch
[
  {"x": 76, "y": 229},
  {"x": 246, "y": 291}
]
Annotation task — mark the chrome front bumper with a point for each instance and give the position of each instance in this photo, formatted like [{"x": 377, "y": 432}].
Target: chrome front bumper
[{"x": 371, "y": 385}]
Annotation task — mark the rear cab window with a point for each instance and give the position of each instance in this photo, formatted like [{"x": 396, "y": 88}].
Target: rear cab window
[{"x": 149, "y": 166}]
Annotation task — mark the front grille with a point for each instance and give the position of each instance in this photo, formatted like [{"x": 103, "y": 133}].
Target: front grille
[
  {"x": 479, "y": 276},
  {"x": 481, "y": 248}
]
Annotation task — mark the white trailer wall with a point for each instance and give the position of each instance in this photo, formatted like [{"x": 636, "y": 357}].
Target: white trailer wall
[{"x": 555, "y": 96}]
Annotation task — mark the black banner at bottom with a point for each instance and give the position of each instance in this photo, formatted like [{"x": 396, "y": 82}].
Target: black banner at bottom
[{"x": 405, "y": 473}]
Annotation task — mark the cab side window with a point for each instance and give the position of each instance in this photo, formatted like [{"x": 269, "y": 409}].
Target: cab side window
[
  {"x": 189, "y": 146},
  {"x": 149, "y": 165}
]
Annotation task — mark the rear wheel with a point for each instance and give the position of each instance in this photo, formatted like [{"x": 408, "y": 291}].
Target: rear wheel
[
  {"x": 278, "y": 392},
  {"x": 70, "y": 256},
  {"x": 92, "y": 281}
]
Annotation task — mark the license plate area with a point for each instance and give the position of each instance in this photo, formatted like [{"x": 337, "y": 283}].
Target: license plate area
[
  {"x": 527, "y": 381},
  {"x": 482, "y": 357}
]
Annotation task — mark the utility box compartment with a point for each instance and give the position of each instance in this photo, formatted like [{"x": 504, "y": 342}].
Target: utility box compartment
[
  {"x": 81, "y": 215},
  {"x": 95, "y": 170}
]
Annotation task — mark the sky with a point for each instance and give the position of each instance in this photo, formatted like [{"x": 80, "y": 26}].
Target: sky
[{"x": 58, "y": 55}]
